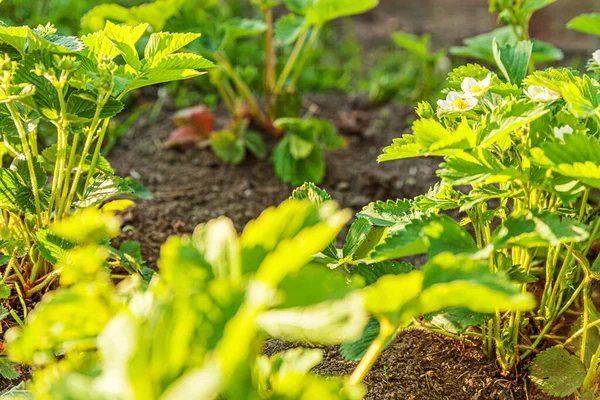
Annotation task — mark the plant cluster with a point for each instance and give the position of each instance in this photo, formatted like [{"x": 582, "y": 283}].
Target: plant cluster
[
  {"x": 286, "y": 46},
  {"x": 521, "y": 164},
  {"x": 197, "y": 329},
  {"x": 73, "y": 87}
]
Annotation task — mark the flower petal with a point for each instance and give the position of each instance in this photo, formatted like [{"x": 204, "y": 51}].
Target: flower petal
[{"x": 467, "y": 84}]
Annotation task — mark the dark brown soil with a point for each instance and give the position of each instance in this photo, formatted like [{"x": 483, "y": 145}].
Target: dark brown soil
[
  {"x": 194, "y": 186},
  {"x": 423, "y": 365}
]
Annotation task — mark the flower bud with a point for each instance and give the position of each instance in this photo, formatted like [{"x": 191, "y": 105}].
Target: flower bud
[
  {"x": 6, "y": 64},
  {"x": 65, "y": 63},
  {"x": 424, "y": 109}
]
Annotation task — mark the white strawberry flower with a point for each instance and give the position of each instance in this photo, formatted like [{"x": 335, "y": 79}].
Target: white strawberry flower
[
  {"x": 474, "y": 88},
  {"x": 457, "y": 102},
  {"x": 596, "y": 57},
  {"x": 560, "y": 133},
  {"x": 541, "y": 94}
]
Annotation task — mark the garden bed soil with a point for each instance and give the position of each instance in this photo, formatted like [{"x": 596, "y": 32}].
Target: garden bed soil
[
  {"x": 421, "y": 365},
  {"x": 193, "y": 187}
]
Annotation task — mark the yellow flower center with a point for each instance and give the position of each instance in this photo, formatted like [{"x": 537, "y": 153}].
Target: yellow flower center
[
  {"x": 461, "y": 104},
  {"x": 476, "y": 89}
]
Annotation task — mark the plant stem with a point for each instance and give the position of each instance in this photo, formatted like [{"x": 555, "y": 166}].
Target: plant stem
[
  {"x": 97, "y": 151},
  {"x": 47, "y": 280},
  {"x": 579, "y": 332},
  {"x": 289, "y": 65},
  {"x": 220, "y": 87},
  {"x": 243, "y": 89},
  {"x": 70, "y": 165},
  {"x": 34, "y": 185},
  {"x": 270, "y": 58},
  {"x": 386, "y": 329},
  {"x": 299, "y": 66}
]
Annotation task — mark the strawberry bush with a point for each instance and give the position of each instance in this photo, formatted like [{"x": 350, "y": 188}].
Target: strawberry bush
[{"x": 71, "y": 87}]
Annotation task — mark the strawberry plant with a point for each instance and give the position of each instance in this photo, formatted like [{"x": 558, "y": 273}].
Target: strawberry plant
[
  {"x": 73, "y": 86},
  {"x": 196, "y": 330},
  {"x": 520, "y": 164},
  {"x": 287, "y": 46}
]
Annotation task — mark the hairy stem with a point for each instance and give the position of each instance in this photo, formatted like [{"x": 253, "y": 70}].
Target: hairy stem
[
  {"x": 386, "y": 329},
  {"x": 23, "y": 135}
]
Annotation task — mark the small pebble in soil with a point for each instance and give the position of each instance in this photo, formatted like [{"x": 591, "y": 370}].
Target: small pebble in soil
[{"x": 343, "y": 186}]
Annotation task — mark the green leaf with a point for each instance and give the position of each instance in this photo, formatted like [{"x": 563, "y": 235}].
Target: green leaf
[
  {"x": 52, "y": 247},
  {"x": 59, "y": 44},
  {"x": 481, "y": 46},
  {"x": 125, "y": 37},
  {"x": 299, "y": 147},
  {"x": 372, "y": 272},
  {"x": 80, "y": 109},
  {"x": 156, "y": 14},
  {"x": 557, "y": 372},
  {"x": 389, "y": 213},
  {"x": 4, "y": 291},
  {"x": 513, "y": 61},
  {"x": 156, "y": 76},
  {"x": 355, "y": 350},
  {"x": 329, "y": 322},
  {"x": 89, "y": 225},
  {"x": 298, "y": 6},
  {"x": 405, "y": 242},
  {"x": 430, "y": 139},
  {"x": 509, "y": 117},
  {"x": 455, "y": 319},
  {"x": 532, "y": 229},
  {"x": 458, "y": 281},
  {"x": 15, "y": 36},
  {"x": 256, "y": 145},
  {"x": 3, "y": 313},
  {"x": 20, "y": 166},
  {"x": 244, "y": 27},
  {"x": 475, "y": 71},
  {"x": 269, "y": 241},
  {"x": 476, "y": 166},
  {"x": 586, "y": 23},
  {"x": 357, "y": 234},
  {"x": 14, "y": 195},
  {"x": 45, "y": 96},
  {"x": 577, "y": 156},
  {"x": 99, "y": 45},
  {"x": 179, "y": 61},
  {"x": 296, "y": 172},
  {"x": 535, "y": 5},
  {"x": 322, "y": 11},
  {"x": 413, "y": 43},
  {"x": 446, "y": 235},
  {"x": 326, "y": 285},
  {"x": 217, "y": 241},
  {"x": 7, "y": 369},
  {"x": 288, "y": 28},
  {"x": 107, "y": 186},
  {"x": 391, "y": 293},
  {"x": 228, "y": 147},
  {"x": 162, "y": 44},
  {"x": 182, "y": 265}
]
